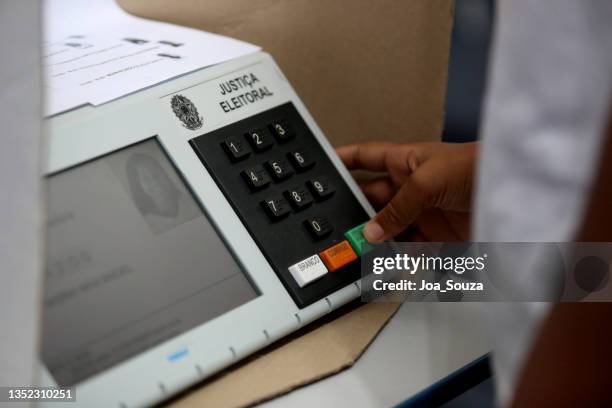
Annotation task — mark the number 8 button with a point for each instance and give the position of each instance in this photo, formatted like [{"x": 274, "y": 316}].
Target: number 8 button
[{"x": 299, "y": 198}]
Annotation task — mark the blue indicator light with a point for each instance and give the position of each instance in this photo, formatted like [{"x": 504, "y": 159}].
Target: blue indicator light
[{"x": 178, "y": 355}]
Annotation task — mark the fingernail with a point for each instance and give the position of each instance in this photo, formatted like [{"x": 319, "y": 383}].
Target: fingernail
[{"x": 373, "y": 232}]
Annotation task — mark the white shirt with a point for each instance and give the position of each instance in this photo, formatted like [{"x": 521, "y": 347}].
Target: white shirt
[{"x": 546, "y": 107}]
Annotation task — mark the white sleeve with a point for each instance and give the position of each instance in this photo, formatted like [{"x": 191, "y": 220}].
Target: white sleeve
[
  {"x": 546, "y": 107},
  {"x": 20, "y": 191}
]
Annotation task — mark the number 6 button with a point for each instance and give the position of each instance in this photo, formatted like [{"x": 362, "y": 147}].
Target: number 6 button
[{"x": 300, "y": 160}]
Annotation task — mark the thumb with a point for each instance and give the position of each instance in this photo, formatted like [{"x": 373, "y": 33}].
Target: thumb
[{"x": 398, "y": 214}]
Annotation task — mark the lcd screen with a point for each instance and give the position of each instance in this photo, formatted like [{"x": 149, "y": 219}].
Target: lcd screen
[{"x": 132, "y": 261}]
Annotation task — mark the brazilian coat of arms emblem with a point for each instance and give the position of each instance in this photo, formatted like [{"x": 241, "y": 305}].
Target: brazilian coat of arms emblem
[{"x": 186, "y": 111}]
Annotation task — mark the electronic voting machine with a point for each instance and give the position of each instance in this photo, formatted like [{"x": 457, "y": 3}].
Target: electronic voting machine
[{"x": 189, "y": 225}]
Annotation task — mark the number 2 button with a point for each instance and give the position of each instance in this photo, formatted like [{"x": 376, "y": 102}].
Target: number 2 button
[{"x": 260, "y": 139}]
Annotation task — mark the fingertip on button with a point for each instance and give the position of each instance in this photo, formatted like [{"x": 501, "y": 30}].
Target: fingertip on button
[{"x": 373, "y": 232}]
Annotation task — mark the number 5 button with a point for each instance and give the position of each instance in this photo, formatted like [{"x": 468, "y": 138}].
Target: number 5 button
[{"x": 279, "y": 169}]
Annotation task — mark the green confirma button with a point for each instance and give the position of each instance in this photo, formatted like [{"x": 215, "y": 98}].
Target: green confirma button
[{"x": 357, "y": 240}]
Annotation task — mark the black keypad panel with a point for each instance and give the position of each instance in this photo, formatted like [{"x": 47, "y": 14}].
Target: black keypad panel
[{"x": 286, "y": 192}]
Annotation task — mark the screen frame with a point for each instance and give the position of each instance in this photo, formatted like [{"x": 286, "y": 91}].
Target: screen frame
[
  {"x": 234, "y": 257},
  {"x": 88, "y": 133}
]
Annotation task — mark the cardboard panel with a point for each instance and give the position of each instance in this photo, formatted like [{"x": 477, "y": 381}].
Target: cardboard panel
[{"x": 366, "y": 70}]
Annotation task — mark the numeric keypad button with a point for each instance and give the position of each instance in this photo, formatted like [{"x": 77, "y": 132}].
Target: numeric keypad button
[
  {"x": 236, "y": 149},
  {"x": 281, "y": 130},
  {"x": 299, "y": 198},
  {"x": 319, "y": 227},
  {"x": 279, "y": 169},
  {"x": 320, "y": 187},
  {"x": 300, "y": 160},
  {"x": 259, "y": 139},
  {"x": 276, "y": 207},
  {"x": 256, "y": 177}
]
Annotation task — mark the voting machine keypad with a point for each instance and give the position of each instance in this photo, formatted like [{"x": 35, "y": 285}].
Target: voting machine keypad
[{"x": 290, "y": 197}]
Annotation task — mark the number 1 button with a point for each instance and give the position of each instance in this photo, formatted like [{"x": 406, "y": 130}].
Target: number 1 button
[
  {"x": 260, "y": 139},
  {"x": 235, "y": 149}
]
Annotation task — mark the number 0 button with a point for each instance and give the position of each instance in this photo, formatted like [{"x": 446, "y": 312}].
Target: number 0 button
[
  {"x": 260, "y": 139},
  {"x": 299, "y": 198},
  {"x": 319, "y": 227}
]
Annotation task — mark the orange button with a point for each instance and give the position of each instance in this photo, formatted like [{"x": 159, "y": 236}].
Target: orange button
[{"x": 337, "y": 256}]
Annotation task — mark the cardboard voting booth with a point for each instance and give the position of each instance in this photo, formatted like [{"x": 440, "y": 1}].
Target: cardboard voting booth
[{"x": 226, "y": 213}]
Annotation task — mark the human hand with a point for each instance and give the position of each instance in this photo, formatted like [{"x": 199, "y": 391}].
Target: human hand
[{"x": 426, "y": 184}]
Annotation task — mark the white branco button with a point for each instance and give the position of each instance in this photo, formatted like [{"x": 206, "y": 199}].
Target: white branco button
[{"x": 308, "y": 270}]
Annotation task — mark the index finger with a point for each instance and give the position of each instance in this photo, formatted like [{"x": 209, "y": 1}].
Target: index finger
[{"x": 367, "y": 156}]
